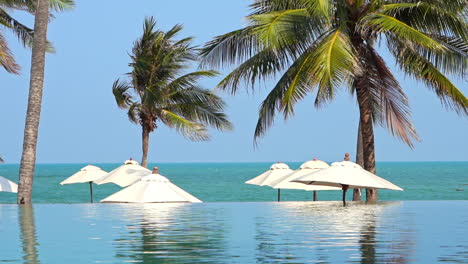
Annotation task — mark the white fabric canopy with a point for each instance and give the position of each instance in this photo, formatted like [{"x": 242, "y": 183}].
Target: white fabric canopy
[
  {"x": 285, "y": 182},
  {"x": 152, "y": 188},
  {"x": 89, "y": 173},
  {"x": 7, "y": 185},
  {"x": 276, "y": 171},
  {"x": 125, "y": 174},
  {"x": 347, "y": 173}
]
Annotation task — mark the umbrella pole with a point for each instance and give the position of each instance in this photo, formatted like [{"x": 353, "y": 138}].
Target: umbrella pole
[
  {"x": 91, "y": 190},
  {"x": 279, "y": 195},
  {"x": 344, "y": 187},
  {"x": 315, "y": 196}
]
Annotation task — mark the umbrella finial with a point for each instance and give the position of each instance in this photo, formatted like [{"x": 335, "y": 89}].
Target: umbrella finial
[
  {"x": 130, "y": 158},
  {"x": 155, "y": 170},
  {"x": 346, "y": 156},
  {"x": 314, "y": 159}
]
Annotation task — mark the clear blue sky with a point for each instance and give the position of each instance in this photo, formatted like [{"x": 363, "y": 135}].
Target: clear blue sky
[{"x": 81, "y": 123}]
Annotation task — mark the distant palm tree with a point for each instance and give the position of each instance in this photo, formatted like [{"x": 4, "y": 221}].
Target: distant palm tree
[
  {"x": 322, "y": 45},
  {"x": 24, "y": 33},
  {"x": 160, "y": 91},
  {"x": 39, "y": 47}
]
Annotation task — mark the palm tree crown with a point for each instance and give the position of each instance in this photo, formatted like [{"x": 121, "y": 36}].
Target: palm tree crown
[
  {"x": 159, "y": 90},
  {"x": 320, "y": 45}
]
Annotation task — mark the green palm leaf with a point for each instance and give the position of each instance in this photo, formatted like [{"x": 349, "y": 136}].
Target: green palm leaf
[
  {"x": 189, "y": 129},
  {"x": 387, "y": 24}
]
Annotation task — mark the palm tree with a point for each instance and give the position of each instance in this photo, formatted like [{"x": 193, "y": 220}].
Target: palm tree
[
  {"x": 39, "y": 47},
  {"x": 159, "y": 91},
  {"x": 322, "y": 45},
  {"x": 23, "y": 32}
]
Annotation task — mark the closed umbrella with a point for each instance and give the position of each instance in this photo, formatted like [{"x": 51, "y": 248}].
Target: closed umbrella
[
  {"x": 276, "y": 172},
  {"x": 88, "y": 174},
  {"x": 347, "y": 174},
  {"x": 124, "y": 175},
  {"x": 7, "y": 185},
  {"x": 152, "y": 188},
  {"x": 314, "y": 165}
]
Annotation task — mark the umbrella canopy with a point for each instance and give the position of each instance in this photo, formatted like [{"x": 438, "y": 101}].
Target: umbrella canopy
[
  {"x": 89, "y": 173},
  {"x": 124, "y": 175},
  {"x": 7, "y": 185},
  {"x": 152, "y": 188},
  {"x": 285, "y": 182},
  {"x": 347, "y": 173},
  {"x": 276, "y": 171}
]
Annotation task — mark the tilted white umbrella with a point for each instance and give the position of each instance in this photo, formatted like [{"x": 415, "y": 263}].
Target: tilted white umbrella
[
  {"x": 152, "y": 188},
  {"x": 124, "y": 175},
  {"x": 276, "y": 171},
  {"x": 7, "y": 185},
  {"x": 347, "y": 174},
  {"x": 306, "y": 168},
  {"x": 88, "y": 174}
]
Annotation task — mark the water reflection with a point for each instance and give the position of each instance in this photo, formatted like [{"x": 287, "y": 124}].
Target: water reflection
[
  {"x": 323, "y": 233},
  {"x": 289, "y": 232},
  {"x": 28, "y": 235},
  {"x": 161, "y": 233}
]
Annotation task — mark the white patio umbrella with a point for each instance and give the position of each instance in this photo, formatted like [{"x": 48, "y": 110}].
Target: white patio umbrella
[
  {"x": 88, "y": 174},
  {"x": 314, "y": 165},
  {"x": 124, "y": 175},
  {"x": 276, "y": 171},
  {"x": 152, "y": 188},
  {"x": 347, "y": 174},
  {"x": 7, "y": 185}
]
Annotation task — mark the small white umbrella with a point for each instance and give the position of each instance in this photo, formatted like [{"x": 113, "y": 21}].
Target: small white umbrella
[
  {"x": 7, "y": 185},
  {"x": 124, "y": 175},
  {"x": 306, "y": 168},
  {"x": 276, "y": 171},
  {"x": 88, "y": 174},
  {"x": 347, "y": 174},
  {"x": 152, "y": 188}
]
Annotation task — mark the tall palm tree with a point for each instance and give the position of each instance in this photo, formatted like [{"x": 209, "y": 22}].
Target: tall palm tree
[
  {"x": 322, "y": 45},
  {"x": 158, "y": 90},
  {"x": 39, "y": 47},
  {"x": 23, "y": 32}
]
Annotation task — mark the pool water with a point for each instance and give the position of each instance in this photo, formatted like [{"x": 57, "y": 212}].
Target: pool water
[{"x": 241, "y": 232}]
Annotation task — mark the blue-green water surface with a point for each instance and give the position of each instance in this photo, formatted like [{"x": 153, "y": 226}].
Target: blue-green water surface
[
  {"x": 248, "y": 232},
  {"x": 224, "y": 182}
]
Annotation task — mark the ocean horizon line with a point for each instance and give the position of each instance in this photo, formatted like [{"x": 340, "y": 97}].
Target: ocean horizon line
[{"x": 236, "y": 162}]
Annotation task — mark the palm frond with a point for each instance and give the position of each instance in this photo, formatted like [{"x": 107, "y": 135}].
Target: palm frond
[
  {"x": 6, "y": 57},
  {"x": 189, "y": 80},
  {"x": 335, "y": 64},
  {"x": 390, "y": 104},
  {"x": 427, "y": 17},
  {"x": 189, "y": 129},
  {"x": 422, "y": 69},
  {"x": 61, "y": 5},
  {"x": 230, "y": 48},
  {"x": 262, "y": 65},
  {"x": 283, "y": 28},
  {"x": 133, "y": 113},
  {"x": 24, "y": 33},
  {"x": 123, "y": 98},
  {"x": 390, "y": 25}
]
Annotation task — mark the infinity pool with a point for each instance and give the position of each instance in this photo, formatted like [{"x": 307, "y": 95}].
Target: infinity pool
[{"x": 287, "y": 232}]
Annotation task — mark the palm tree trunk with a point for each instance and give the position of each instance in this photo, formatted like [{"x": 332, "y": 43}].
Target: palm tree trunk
[
  {"x": 145, "y": 146},
  {"x": 28, "y": 158},
  {"x": 367, "y": 132},
  {"x": 357, "y": 196}
]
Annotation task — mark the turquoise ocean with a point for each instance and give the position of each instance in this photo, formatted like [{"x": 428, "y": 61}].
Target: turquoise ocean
[{"x": 224, "y": 182}]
